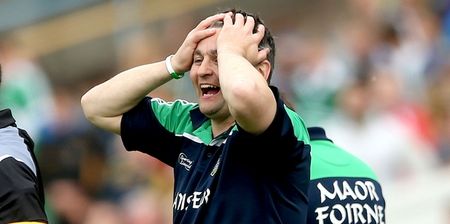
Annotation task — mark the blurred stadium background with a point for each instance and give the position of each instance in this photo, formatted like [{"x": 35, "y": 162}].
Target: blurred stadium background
[{"x": 375, "y": 74}]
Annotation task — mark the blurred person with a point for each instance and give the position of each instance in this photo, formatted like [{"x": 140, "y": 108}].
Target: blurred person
[
  {"x": 386, "y": 91},
  {"x": 69, "y": 200},
  {"x": 71, "y": 148},
  {"x": 377, "y": 137},
  {"x": 408, "y": 41},
  {"x": 343, "y": 188},
  {"x": 439, "y": 106},
  {"x": 407, "y": 56},
  {"x": 290, "y": 53},
  {"x": 143, "y": 207},
  {"x": 21, "y": 189},
  {"x": 104, "y": 212},
  {"x": 219, "y": 177},
  {"x": 317, "y": 64},
  {"x": 26, "y": 88},
  {"x": 366, "y": 11}
]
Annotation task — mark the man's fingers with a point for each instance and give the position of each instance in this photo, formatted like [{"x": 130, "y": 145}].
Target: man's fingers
[
  {"x": 202, "y": 34},
  {"x": 262, "y": 55},
  {"x": 210, "y": 20},
  {"x": 261, "y": 29},
  {"x": 227, "y": 21},
  {"x": 238, "y": 20},
  {"x": 249, "y": 24},
  {"x": 260, "y": 33}
]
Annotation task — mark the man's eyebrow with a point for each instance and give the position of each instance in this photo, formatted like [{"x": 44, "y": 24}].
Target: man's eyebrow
[
  {"x": 212, "y": 53},
  {"x": 197, "y": 52}
]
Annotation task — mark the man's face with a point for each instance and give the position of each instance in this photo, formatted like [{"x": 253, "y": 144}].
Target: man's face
[{"x": 205, "y": 79}]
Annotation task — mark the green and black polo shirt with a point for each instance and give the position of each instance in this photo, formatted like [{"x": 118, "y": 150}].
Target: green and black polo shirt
[
  {"x": 343, "y": 188},
  {"x": 236, "y": 177}
]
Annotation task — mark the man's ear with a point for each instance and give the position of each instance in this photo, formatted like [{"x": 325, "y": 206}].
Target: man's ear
[{"x": 264, "y": 68}]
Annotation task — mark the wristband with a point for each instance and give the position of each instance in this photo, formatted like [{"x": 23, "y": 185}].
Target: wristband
[{"x": 169, "y": 68}]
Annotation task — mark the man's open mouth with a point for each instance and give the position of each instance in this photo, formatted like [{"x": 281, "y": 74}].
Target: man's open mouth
[{"x": 209, "y": 90}]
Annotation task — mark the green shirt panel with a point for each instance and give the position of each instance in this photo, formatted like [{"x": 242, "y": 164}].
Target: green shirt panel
[
  {"x": 329, "y": 160},
  {"x": 300, "y": 129},
  {"x": 175, "y": 117}
]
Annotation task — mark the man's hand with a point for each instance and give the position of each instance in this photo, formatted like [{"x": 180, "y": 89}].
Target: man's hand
[
  {"x": 239, "y": 39},
  {"x": 182, "y": 60}
]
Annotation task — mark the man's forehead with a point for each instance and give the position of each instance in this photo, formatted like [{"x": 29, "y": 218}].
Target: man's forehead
[{"x": 207, "y": 46}]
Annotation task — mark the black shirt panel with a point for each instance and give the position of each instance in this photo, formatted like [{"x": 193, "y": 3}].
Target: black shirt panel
[{"x": 20, "y": 195}]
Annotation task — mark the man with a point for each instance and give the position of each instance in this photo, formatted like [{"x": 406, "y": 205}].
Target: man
[
  {"x": 21, "y": 190},
  {"x": 343, "y": 189},
  {"x": 239, "y": 155}
]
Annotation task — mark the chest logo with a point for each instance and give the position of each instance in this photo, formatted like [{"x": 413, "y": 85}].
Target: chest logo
[
  {"x": 184, "y": 161},
  {"x": 215, "y": 168}
]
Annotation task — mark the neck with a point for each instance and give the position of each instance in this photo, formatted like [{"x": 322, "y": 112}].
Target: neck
[{"x": 220, "y": 126}]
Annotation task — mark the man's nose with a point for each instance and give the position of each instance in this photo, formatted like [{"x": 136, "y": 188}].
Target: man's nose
[{"x": 205, "y": 67}]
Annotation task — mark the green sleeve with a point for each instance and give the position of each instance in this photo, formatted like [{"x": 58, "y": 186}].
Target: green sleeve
[{"x": 174, "y": 116}]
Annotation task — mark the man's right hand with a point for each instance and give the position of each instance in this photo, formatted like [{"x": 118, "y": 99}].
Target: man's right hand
[{"x": 182, "y": 60}]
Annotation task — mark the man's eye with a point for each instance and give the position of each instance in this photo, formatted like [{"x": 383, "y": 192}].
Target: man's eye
[{"x": 197, "y": 60}]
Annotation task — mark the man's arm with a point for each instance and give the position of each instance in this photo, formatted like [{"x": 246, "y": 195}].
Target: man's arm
[
  {"x": 105, "y": 104},
  {"x": 243, "y": 70}
]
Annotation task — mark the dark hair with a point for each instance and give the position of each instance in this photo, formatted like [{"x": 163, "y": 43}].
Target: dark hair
[
  {"x": 0, "y": 73},
  {"x": 266, "y": 42}
]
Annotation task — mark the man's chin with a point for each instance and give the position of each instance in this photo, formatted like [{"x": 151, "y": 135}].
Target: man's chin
[{"x": 207, "y": 111}]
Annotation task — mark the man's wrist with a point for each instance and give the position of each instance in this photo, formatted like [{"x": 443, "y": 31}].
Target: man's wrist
[
  {"x": 229, "y": 51},
  {"x": 170, "y": 69}
]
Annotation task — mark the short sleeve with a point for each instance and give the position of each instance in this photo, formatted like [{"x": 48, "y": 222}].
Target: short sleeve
[
  {"x": 286, "y": 125},
  {"x": 285, "y": 141},
  {"x": 141, "y": 131}
]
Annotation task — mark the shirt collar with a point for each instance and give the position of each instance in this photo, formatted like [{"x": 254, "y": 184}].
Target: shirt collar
[
  {"x": 317, "y": 133},
  {"x": 198, "y": 118},
  {"x": 6, "y": 118}
]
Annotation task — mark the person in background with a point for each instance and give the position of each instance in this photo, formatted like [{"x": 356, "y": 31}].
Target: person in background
[
  {"x": 21, "y": 189},
  {"x": 343, "y": 189},
  {"x": 26, "y": 88},
  {"x": 223, "y": 149}
]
